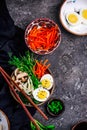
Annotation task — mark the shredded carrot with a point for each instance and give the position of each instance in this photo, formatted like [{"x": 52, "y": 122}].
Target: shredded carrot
[
  {"x": 45, "y": 61},
  {"x": 40, "y": 68},
  {"x": 43, "y": 38}
]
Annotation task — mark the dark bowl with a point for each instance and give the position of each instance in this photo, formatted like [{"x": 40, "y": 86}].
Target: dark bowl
[
  {"x": 58, "y": 108},
  {"x": 25, "y": 101},
  {"x": 30, "y": 37},
  {"x": 81, "y": 125}
]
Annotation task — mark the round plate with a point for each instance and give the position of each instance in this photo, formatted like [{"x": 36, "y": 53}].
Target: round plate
[
  {"x": 74, "y": 6},
  {"x": 4, "y": 121},
  {"x": 25, "y": 101}
]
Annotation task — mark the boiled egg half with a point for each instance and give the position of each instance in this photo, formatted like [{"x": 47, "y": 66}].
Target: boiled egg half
[
  {"x": 41, "y": 94},
  {"x": 47, "y": 81},
  {"x": 73, "y": 18},
  {"x": 83, "y": 13}
]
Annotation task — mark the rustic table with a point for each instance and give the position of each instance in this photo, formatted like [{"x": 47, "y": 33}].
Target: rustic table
[{"x": 68, "y": 61}]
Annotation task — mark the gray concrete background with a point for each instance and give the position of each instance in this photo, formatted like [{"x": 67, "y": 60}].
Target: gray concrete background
[{"x": 68, "y": 62}]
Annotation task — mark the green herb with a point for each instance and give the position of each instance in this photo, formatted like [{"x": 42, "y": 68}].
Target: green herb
[
  {"x": 41, "y": 126},
  {"x": 26, "y": 64},
  {"x": 55, "y": 106},
  {"x": 35, "y": 101},
  {"x": 23, "y": 98}
]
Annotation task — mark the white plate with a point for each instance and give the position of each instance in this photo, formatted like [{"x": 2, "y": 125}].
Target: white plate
[
  {"x": 4, "y": 121},
  {"x": 75, "y": 6}
]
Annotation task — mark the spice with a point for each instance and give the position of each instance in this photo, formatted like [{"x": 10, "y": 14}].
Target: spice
[{"x": 55, "y": 106}]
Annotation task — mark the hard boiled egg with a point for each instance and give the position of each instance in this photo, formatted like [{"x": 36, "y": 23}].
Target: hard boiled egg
[
  {"x": 41, "y": 94},
  {"x": 73, "y": 18},
  {"x": 83, "y": 13},
  {"x": 47, "y": 81}
]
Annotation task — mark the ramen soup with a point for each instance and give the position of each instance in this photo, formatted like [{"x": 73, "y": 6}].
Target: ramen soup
[{"x": 81, "y": 126}]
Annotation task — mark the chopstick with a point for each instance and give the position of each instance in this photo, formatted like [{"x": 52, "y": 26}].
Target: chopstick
[
  {"x": 23, "y": 92},
  {"x": 18, "y": 98}
]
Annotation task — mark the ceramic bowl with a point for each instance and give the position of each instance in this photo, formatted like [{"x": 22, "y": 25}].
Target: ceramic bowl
[
  {"x": 81, "y": 125},
  {"x": 56, "y": 111},
  {"x": 4, "y": 121},
  {"x": 25, "y": 101},
  {"x": 38, "y": 24},
  {"x": 74, "y": 7}
]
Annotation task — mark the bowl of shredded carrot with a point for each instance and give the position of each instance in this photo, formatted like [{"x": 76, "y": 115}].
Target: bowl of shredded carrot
[{"x": 42, "y": 36}]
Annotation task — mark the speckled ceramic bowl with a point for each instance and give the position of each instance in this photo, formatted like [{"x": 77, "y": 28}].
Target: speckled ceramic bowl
[{"x": 46, "y": 24}]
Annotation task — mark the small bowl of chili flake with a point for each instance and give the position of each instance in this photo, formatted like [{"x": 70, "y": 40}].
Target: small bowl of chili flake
[
  {"x": 55, "y": 107},
  {"x": 42, "y": 36}
]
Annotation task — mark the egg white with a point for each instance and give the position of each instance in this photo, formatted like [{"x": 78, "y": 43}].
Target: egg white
[
  {"x": 35, "y": 94},
  {"x": 48, "y": 77},
  {"x": 84, "y": 21},
  {"x": 77, "y": 15}
]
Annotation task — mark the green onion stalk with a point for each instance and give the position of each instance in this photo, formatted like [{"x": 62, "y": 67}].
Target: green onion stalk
[
  {"x": 26, "y": 64},
  {"x": 41, "y": 126}
]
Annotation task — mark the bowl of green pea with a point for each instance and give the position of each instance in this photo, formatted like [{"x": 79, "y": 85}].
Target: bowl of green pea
[{"x": 55, "y": 107}]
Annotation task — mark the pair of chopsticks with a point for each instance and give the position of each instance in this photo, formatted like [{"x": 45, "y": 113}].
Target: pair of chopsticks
[{"x": 10, "y": 84}]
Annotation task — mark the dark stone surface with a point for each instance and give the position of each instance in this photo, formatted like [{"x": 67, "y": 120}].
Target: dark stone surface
[{"x": 68, "y": 62}]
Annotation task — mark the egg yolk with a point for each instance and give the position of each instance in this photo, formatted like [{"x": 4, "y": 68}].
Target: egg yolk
[
  {"x": 72, "y": 18},
  {"x": 46, "y": 83},
  {"x": 84, "y": 13},
  {"x": 42, "y": 94}
]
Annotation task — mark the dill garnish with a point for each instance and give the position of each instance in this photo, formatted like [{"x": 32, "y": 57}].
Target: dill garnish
[{"x": 26, "y": 63}]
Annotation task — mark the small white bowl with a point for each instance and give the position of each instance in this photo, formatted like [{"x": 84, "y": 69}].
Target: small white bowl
[{"x": 70, "y": 6}]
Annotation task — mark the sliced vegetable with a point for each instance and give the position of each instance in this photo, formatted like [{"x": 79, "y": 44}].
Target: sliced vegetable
[
  {"x": 41, "y": 126},
  {"x": 55, "y": 106},
  {"x": 40, "y": 68},
  {"x": 23, "y": 80}
]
